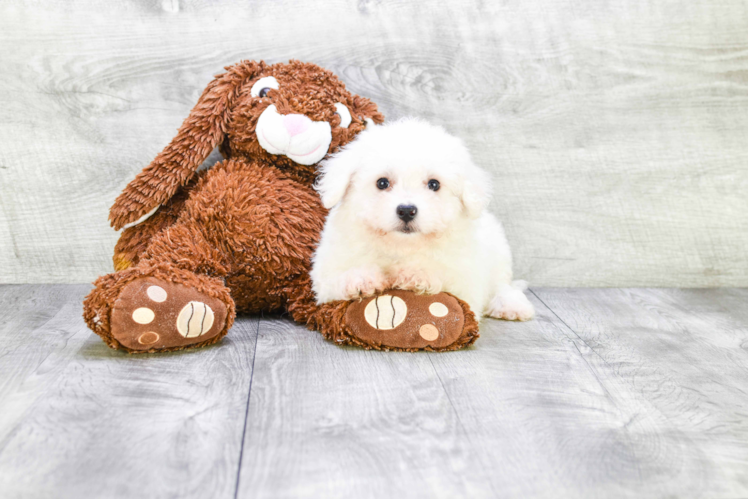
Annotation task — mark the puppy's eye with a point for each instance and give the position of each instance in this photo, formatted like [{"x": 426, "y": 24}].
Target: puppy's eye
[
  {"x": 263, "y": 86},
  {"x": 383, "y": 183},
  {"x": 434, "y": 185},
  {"x": 345, "y": 115}
]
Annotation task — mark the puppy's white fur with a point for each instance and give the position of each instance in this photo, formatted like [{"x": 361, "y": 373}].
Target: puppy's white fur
[{"x": 454, "y": 244}]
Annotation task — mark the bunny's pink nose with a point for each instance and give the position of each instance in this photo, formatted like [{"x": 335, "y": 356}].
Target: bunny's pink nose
[{"x": 296, "y": 124}]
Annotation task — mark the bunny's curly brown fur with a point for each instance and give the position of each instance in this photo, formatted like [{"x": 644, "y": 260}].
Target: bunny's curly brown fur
[{"x": 243, "y": 231}]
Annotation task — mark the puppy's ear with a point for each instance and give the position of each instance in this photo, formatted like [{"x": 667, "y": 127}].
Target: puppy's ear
[
  {"x": 476, "y": 190},
  {"x": 203, "y": 129},
  {"x": 335, "y": 177}
]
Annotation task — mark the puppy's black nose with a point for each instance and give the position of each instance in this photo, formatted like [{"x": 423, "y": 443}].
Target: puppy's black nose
[{"x": 407, "y": 212}]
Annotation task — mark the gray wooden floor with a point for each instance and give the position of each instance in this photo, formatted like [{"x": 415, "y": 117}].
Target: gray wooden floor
[{"x": 609, "y": 392}]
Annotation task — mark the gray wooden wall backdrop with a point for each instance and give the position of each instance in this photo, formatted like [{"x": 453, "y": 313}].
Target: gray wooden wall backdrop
[{"x": 617, "y": 130}]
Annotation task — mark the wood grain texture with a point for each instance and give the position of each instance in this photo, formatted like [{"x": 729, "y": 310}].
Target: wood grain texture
[
  {"x": 332, "y": 422},
  {"x": 678, "y": 359},
  {"x": 615, "y": 130},
  {"x": 608, "y": 393},
  {"x": 81, "y": 420},
  {"x": 550, "y": 419},
  {"x": 534, "y": 409}
]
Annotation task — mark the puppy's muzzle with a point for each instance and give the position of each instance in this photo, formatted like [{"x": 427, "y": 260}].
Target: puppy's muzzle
[{"x": 406, "y": 213}]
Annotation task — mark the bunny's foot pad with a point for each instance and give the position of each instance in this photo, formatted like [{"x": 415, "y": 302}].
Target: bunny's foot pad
[
  {"x": 403, "y": 320},
  {"x": 152, "y": 314}
]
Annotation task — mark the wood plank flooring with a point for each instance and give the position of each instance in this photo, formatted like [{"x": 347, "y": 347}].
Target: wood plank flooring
[{"x": 607, "y": 393}]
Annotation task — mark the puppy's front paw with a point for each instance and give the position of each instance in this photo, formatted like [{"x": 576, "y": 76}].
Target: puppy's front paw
[
  {"x": 511, "y": 304},
  {"x": 362, "y": 283},
  {"x": 416, "y": 280}
]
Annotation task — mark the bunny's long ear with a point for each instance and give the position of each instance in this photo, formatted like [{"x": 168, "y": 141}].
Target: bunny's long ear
[{"x": 202, "y": 131}]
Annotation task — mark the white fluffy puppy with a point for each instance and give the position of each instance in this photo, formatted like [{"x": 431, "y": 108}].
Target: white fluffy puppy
[{"x": 409, "y": 211}]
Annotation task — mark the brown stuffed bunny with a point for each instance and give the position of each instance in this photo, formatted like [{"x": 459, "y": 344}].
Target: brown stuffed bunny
[{"x": 200, "y": 246}]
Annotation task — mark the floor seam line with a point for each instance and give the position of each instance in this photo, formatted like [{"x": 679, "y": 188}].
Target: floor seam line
[
  {"x": 643, "y": 398},
  {"x": 246, "y": 413},
  {"x": 572, "y": 331},
  {"x": 462, "y": 426}
]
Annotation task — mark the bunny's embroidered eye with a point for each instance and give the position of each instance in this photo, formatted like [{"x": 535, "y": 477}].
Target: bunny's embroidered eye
[
  {"x": 263, "y": 86},
  {"x": 434, "y": 185},
  {"x": 383, "y": 183},
  {"x": 345, "y": 115}
]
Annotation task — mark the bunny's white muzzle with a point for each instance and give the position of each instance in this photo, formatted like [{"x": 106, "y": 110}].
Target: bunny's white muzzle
[{"x": 295, "y": 136}]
